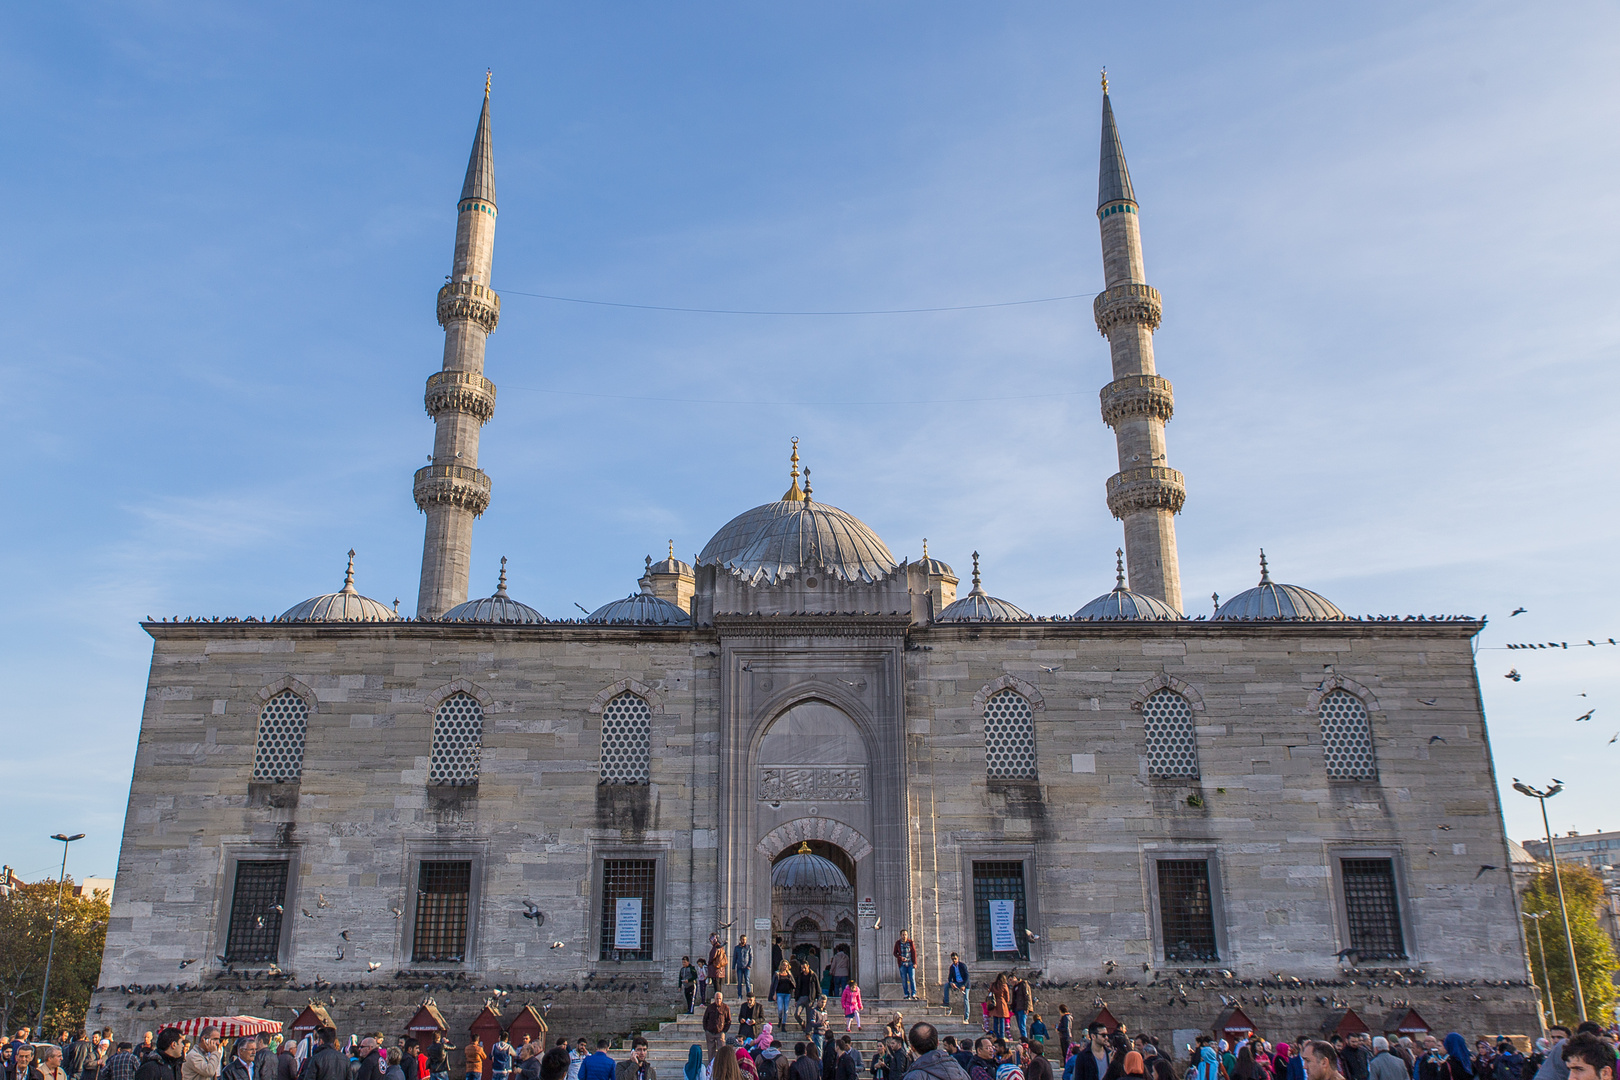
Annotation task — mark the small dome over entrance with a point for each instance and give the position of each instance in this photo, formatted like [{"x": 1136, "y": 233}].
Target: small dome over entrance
[{"x": 807, "y": 870}]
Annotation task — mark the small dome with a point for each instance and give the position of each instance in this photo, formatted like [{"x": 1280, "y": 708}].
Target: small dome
[
  {"x": 671, "y": 565},
  {"x": 345, "y": 605},
  {"x": 1271, "y": 601},
  {"x": 797, "y": 534},
  {"x": 1121, "y": 603},
  {"x": 499, "y": 608},
  {"x": 644, "y": 609},
  {"x": 977, "y": 606},
  {"x": 932, "y": 566},
  {"x": 806, "y": 870}
]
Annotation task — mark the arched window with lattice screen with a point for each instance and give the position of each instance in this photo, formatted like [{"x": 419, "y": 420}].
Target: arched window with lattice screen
[
  {"x": 1347, "y": 747},
  {"x": 279, "y": 757},
  {"x": 626, "y": 740},
  {"x": 458, "y": 736},
  {"x": 1172, "y": 751},
  {"x": 1009, "y": 737}
]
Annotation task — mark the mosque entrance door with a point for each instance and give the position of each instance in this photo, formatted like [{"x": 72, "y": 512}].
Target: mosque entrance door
[{"x": 813, "y": 901}]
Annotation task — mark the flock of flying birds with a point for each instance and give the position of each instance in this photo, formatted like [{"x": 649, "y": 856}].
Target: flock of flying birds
[{"x": 1514, "y": 675}]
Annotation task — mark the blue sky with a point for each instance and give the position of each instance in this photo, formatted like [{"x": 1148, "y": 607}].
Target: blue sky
[{"x": 1387, "y": 236}]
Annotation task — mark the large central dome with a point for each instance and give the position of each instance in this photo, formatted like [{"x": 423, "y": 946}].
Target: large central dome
[{"x": 797, "y": 534}]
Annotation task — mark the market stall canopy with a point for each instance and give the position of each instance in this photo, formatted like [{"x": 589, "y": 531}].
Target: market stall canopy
[
  {"x": 230, "y": 1027},
  {"x": 1234, "y": 1021},
  {"x": 427, "y": 1018},
  {"x": 1406, "y": 1022}
]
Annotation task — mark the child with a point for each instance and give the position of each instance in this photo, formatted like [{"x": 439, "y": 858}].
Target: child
[{"x": 852, "y": 1005}]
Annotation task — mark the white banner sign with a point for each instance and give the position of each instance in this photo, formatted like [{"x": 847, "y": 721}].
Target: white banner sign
[
  {"x": 1002, "y": 936},
  {"x": 627, "y": 923},
  {"x": 762, "y": 924}
]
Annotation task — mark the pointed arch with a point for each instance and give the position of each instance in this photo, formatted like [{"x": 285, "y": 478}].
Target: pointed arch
[
  {"x": 1313, "y": 703},
  {"x": 1162, "y": 681},
  {"x": 1028, "y": 691},
  {"x": 287, "y": 682},
  {"x": 653, "y": 698},
  {"x": 460, "y": 686},
  {"x": 814, "y": 828}
]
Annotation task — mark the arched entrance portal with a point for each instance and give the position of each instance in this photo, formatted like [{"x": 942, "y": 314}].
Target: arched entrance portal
[{"x": 813, "y": 907}]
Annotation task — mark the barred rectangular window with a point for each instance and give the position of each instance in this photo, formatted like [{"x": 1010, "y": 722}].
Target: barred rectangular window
[
  {"x": 443, "y": 891},
  {"x": 999, "y": 881},
  {"x": 254, "y": 934},
  {"x": 1186, "y": 910},
  {"x": 623, "y": 879},
  {"x": 1372, "y": 909}
]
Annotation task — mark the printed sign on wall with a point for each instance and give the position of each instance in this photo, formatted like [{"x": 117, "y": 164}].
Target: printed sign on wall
[
  {"x": 1002, "y": 936},
  {"x": 627, "y": 923}
]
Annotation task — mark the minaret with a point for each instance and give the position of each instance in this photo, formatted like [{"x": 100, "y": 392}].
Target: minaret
[
  {"x": 1146, "y": 493},
  {"x": 453, "y": 490}
]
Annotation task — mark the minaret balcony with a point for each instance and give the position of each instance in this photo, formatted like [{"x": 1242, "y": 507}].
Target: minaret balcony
[
  {"x": 1129, "y": 303},
  {"x": 1156, "y": 487},
  {"x": 1137, "y": 397},
  {"x": 452, "y": 485},
  {"x": 470, "y": 300},
  {"x": 460, "y": 391}
]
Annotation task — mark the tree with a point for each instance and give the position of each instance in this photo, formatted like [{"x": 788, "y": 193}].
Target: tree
[
  {"x": 1584, "y": 896},
  {"x": 25, "y": 928}
]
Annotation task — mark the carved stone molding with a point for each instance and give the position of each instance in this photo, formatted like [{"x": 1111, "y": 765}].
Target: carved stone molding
[
  {"x": 1339, "y": 682},
  {"x": 1137, "y": 397},
  {"x": 470, "y": 300},
  {"x": 1127, "y": 304},
  {"x": 1155, "y": 487},
  {"x": 812, "y": 783},
  {"x": 1030, "y": 691},
  {"x": 654, "y": 699},
  {"x": 1162, "y": 681},
  {"x": 460, "y": 391},
  {"x": 452, "y": 485},
  {"x": 444, "y": 693},
  {"x": 287, "y": 682},
  {"x": 815, "y": 828}
]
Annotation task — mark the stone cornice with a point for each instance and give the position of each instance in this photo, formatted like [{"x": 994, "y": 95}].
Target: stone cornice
[
  {"x": 1154, "y": 487},
  {"x": 1137, "y": 397},
  {"x": 423, "y": 630},
  {"x": 469, "y": 300},
  {"x": 832, "y": 625},
  {"x": 460, "y": 391},
  {"x": 1129, "y": 303},
  {"x": 1459, "y": 628},
  {"x": 451, "y": 485}
]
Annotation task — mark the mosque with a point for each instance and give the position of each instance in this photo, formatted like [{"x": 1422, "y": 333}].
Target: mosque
[{"x": 801, "y": 736}]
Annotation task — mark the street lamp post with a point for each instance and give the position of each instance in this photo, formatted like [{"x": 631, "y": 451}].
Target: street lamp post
[
  {"x": 1558, "y": 879},
  {"x": 50, "y": 952},
  {"x": 1541, "y": 951}
]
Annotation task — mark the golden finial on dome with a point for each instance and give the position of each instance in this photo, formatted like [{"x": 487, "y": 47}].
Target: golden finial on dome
[
  {"x": 804, "y": 848},
  {"x": 794, "y": 494}
]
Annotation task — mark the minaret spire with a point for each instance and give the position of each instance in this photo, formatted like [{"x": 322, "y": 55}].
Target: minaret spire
[
  {"x": 452, "y": 491},
  {"x": 1146, "y": 493}
]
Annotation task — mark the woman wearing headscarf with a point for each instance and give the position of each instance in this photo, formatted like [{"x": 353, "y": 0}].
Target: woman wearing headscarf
[
  {"x": 1458, "y": 1065},
  {"x": 1134, "y": 1065},
  {"x": 745, "y": 1062},
  {"x": 1281, "y": 1062},
  {"x": 1209, "y": 1063},
  {"x": 694, "y": 1063}
]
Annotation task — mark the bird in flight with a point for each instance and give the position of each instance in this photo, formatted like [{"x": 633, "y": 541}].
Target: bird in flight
[
  {"x": 340, "y": 952},
  {"x": 322, "y": 901},
  {"x": 1436, "y": 738},
  {"x": 1587, "y": 715},
  {"x": 1032, "y": 935},
  {"x": 1429, "y": 700},
  {"x": 344, "y": 934},
  {"x": 398, "y": 914},
  {"x": 877, "y": 924},
  {"x": 1482, "y": 870},
  {"x": 307, "y": 915},
  {"x": 186, "y": 963},
  {"x": 373, "y": 965},
  {"x": 1051, "y": 670},
  {"x": 1616, "y": 736},
  {"x": 1443, "y": 828},
  {"x": 1345, "y": 954},
  {"x": 556, "y": 944},
  {"x": 1513, "y": 673},
  {"x": 1516, "y": 611}
]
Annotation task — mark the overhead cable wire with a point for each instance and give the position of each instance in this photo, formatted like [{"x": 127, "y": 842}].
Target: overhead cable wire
[
  {"x": 743, "y": 311},
  {"x": 730, "y": 401}
]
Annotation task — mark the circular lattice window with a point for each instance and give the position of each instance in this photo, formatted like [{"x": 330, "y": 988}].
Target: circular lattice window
[
  {"x": 458, "y": 731},
  {"x": 1171, "y": 750},
  {"x": 1347, "y": 748},
  {"x": 626, "y": 740},
  {"x": 282, "y": 723},
  {"x": 1009, "y": 736}
]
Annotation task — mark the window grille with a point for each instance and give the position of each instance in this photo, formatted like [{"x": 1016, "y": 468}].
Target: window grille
[
  {"x": 254, "y": 934},
  {"x": 625, "y": 878},
  {"x": 1172, "y": 750},
  {"x": 1009, "y": 736},
  {"x": 282, "y": 724},
  {"x": 443, "y": 890},
  {"x": 806, "y": 926},
  {"x": 1372, "y": 909},
  {"x": 999, "y": 881},
  {"x": 1186, "y": 912},
  {"x": 1347, "y": 748},
  {"x": 458, "y": 731},
  {"x": 626, "y": 740}
]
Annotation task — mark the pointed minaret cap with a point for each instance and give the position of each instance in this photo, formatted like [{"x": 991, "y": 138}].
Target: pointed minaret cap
[
  {"x": 794, "y": 493},
  {"x": 348, "y": 576},
  {"x": 1113, "y": 178},
  {"x": 1265, "y": 574},
  {"x": 480, "y": 183},
  {"x": 1119, "y": 567},
  {"x": 500, "y": 586}
]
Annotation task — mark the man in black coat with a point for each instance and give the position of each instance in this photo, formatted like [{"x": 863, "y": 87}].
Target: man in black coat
[
  {"x": 1091, "y": 1060},
  {"x": 849, "y": 1060},
  {"x": 325, "y": 1063},
  {"x": 165, "y": 1063},
  {"x": 371, "y": 1062}
]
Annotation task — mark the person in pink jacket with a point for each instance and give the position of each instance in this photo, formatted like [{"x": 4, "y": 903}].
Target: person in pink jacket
[{"x": 852, "y": 1005}]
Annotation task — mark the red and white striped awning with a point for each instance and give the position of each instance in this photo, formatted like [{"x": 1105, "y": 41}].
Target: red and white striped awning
[{"x": 230, "y": 1027}]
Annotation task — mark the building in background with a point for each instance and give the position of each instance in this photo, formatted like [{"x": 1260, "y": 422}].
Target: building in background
[{"x": 799, "y": 734}]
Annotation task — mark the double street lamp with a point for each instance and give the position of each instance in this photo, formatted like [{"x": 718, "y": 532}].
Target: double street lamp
[
  {"x": 1563, "y": 911},
  {"x": 50, "y": 953}
]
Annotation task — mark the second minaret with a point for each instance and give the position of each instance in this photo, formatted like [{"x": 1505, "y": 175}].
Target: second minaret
[
  {"x": 1146, "y": 493},
  {"x": 453, "y": 490}
]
